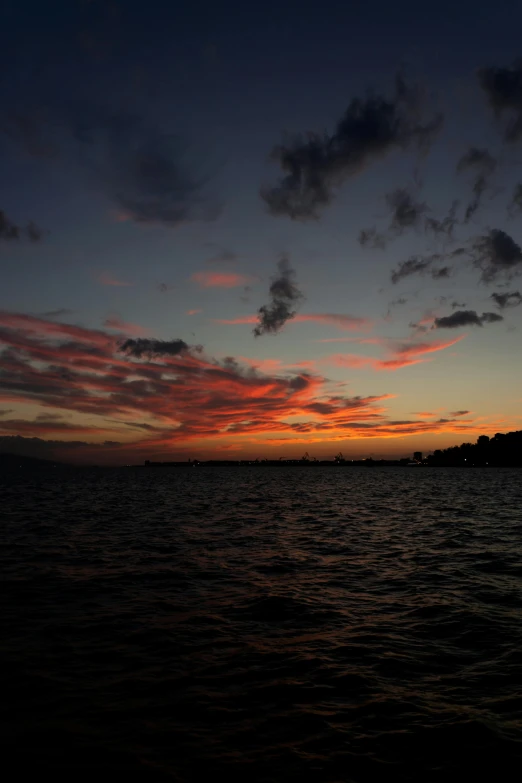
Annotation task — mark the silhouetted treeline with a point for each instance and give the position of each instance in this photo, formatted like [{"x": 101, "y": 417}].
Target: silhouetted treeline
[
  {"x": 281, "y": 463},
  {"x": 502, "y": 450}
]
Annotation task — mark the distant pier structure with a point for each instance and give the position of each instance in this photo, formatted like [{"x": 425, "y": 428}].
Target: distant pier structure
[{"x": 417, "y": 456}]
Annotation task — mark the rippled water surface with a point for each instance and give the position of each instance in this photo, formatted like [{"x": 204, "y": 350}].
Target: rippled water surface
[{"x": 321, "y": 624}]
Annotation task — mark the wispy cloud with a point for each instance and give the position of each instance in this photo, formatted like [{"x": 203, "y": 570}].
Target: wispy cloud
[
  {"x": 59, "y": 313},
  {"x": 105, "y": 278},
  {"x": 124, "y": 326},
  {"x": 483, "y": 164},
  {"x": 193, "y": 312},
  {"x": 507, "y": 299},
  {"x": 146, "y": 171},
  {"x": 350, "y": 323},
  {"x": 398, "y": 355},
  {"x": 11, "y": 231}
]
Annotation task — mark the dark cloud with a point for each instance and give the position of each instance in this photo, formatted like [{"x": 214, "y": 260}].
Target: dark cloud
[
  {"x": 441, "y": 273},
  {"x": 5, "y": 411},
  {"x": 503, "y": 88},
  {"x": 406, "y": 211},
  {"x": 164, "y": 287},
  {"x": 515, "y": 205},
  {"x": 458, "y": 304},
  {"x": 497, "y": 255},
  {"x": 476, "y": 158},
  {"x": 503, "y": 300},
  {"x": 372, "y": 238},
  {"x": 147, "y": 346},
  {"x": 413, "y": 266},
  {"x": 146, "y": 172},
  {"x": 459, "y": 413},
  {"x": 284, "y": 296},
  {"x": 315, "y": 165},
  {"x": 12, "y": 231},
  {"x": 465, "y": 318},
  {"x": 409, "y": 213},
  {"x": 446, "y": 226},
  {"x": 491, "y": 318},
  {"x": 483, "y": 164}
]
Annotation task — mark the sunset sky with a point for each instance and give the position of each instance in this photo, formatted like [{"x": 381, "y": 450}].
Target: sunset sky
[{"x": 233, "y": 230}]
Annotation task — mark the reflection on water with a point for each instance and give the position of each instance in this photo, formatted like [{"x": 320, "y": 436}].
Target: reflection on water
[{"x": 267, "y": 625}]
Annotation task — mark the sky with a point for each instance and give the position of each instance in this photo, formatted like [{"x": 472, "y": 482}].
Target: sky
[{"x": 239, "y": 231}]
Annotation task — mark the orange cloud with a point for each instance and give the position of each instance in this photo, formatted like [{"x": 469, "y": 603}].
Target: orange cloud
[
  {"x": 220, "y": 279},
  {"x": 185, "y": 396},
  {"x": 193, "y": 312}
]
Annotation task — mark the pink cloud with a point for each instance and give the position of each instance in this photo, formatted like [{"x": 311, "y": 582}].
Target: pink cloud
[
  {"x": 107, "y": 279},
  {"x": 356, "y": 362},
  {"x": 220, "y": 279},
  {"x": 400, "y": 355},
  {"x": 193, "y": 312}
]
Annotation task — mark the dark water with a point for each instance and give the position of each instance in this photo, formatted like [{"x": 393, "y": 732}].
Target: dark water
[{"x": 263, "y": 625}]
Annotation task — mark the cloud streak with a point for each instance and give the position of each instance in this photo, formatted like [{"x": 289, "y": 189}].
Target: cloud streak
[
  {"x": 483, "y": 164},
  {"x": 105, "y": 278},
  {"x": 398, "y": 355},
  {"x": 220, "y": 279}
]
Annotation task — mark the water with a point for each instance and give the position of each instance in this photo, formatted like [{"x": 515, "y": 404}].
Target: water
[{"x": 261, "y": 624}]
